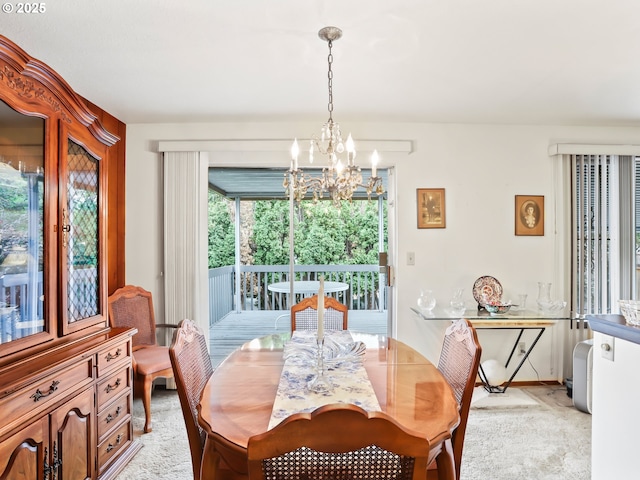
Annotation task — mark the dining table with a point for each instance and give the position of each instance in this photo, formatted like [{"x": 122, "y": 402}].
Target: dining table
[{"x": 238, "y": 400}]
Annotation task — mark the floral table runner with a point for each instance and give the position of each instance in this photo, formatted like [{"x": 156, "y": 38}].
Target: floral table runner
[{"x": 343, "y": 367}]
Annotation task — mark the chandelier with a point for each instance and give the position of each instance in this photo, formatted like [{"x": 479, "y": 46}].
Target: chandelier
[{"x": 341, "y": 177}]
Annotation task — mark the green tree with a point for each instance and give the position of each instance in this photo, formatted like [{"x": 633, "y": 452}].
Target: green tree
[
  {"x": 320, "y": 234},
  {"x": 324, "y": 234},
  {"x": 271, "y": 232},
  {"x": 361, "y": 230},
  {"x": 221, "y": 231}
]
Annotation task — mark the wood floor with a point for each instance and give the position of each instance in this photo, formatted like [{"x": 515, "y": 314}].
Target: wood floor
[{"x": 237, "y": 328}]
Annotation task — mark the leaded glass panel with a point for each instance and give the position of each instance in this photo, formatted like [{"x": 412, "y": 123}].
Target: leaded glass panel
[{"x": 81, "y": 234}]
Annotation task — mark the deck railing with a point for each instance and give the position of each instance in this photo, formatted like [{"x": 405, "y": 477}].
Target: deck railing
[{"x": 364, "y": 292}]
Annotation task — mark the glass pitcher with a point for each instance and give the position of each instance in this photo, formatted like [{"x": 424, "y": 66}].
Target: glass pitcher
[{"x": 544, "y": 291}]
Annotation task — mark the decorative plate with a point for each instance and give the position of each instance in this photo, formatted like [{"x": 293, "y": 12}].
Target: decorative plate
[{"x": 487, "y": 289}]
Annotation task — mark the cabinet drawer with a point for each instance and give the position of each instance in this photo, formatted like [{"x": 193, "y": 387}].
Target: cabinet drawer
[
  {"x": 110, "y": 447},
  {"x": 34, "y": 398},
  {"x": 113, "y": 414},
  {"x": 113, "y": 385},
  {"x": 113, "y": 356}
]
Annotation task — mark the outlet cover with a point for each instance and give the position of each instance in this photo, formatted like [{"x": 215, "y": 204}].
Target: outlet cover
[{"x": 607, "y": 347}]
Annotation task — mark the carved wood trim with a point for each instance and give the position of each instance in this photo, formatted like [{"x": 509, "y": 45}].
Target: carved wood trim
[{"x": 34, "y": 83}]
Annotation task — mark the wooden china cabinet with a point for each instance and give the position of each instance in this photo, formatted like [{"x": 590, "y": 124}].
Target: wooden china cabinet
[{"x": 65, "y": 376}]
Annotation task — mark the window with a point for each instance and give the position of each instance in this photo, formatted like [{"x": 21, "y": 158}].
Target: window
[{"x": 604, "y": 239}]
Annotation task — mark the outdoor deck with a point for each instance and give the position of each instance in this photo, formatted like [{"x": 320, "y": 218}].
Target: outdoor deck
[{"x": 234, "y": 329}]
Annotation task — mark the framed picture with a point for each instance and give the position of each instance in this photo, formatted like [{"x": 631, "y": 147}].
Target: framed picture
[
  {"x": 529, "y": 215},
  {"x": 431, "y": 212}
]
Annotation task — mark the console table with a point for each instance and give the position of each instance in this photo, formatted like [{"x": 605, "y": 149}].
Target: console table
[{"x": 517, "y": 320}]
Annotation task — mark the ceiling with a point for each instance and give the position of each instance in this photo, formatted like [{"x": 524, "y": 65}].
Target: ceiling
[{"x": 465, "y": 61}]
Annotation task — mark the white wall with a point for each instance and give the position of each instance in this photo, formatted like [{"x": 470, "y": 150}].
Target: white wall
[{"x": 481, "y": 167}]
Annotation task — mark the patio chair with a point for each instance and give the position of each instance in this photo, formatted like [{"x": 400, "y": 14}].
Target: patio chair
[
  {"x": 458, "y": 363},
  {"x": 304, "y": 314},
  {"x": 337, "y": 441},
  {"x": 132, "y": 306}
]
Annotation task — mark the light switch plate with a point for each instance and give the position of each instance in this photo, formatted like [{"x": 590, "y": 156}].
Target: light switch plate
[
  {"x": 607, "y": 345},
  {"x": 411, "y": 258}
]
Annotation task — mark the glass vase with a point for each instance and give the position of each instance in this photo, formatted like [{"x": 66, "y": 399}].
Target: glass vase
[
  {"x": 426, "y": 301},
  {"x": 457, "y": 303}
]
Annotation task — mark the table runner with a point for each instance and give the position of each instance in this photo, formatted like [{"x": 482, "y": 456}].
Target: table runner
[{"x": 347, "y": 374}]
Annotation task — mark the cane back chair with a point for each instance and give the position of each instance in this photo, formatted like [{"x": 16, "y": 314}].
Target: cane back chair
[
  {"x": 304, "y": 314},
  {"x": 458, "y": 363},
  {"x": 337, "y": 441},
  {"x": 192, "y": 368},
  {"x": 132, "y": 306}
]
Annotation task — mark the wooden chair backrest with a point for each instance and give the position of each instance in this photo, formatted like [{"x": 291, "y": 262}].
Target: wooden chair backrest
[
  {"x": 132, "y": 306},
  {"x": 304, "y": 314},
  {"x": 338, "y": 441},
  {"x": 192, "y": 369},
  {"x": 458, "y": 363}
]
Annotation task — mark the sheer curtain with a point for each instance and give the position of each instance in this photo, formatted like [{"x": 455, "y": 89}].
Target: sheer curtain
[{"x": 185, "y": 238}]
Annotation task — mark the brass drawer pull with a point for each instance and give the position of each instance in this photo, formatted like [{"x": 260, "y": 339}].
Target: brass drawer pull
[
  {"x": 110, "y": 357},
  {"x": 109, "y": 388},
  {"x": 38, "y": 395},
  {"x": 111, "y": 418},
  {"x": 112, "y": 446}
]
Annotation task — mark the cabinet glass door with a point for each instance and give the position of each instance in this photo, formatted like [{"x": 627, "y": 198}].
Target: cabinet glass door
[
  {"x": 81, "y": 234},
  {"x": 21, "y": 225}
]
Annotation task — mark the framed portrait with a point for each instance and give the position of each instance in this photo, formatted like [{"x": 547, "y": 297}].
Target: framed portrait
[
  {"x": 529, "y": 215},
  {"x": 431, "y": 212}
]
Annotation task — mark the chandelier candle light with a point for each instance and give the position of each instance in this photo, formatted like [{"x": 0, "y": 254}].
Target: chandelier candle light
[{"x": 339, "y": 180}]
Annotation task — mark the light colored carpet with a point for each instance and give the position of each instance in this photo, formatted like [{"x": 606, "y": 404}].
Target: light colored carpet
[
  {"x": 548, "y": 440},
  {"x": 513, "y": 397}
]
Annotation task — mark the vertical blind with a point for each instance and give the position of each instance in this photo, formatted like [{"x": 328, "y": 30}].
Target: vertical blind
[{"x": 603, "y": 239}]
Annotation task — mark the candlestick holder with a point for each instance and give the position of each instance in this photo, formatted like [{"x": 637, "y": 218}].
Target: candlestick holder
[{"x": 320, "y": 383}]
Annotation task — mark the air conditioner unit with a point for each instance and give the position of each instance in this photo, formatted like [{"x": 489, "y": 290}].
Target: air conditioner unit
[{"x": 583, "y": 375}]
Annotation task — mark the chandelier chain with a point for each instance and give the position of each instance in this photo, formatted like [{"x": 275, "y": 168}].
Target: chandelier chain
[{"x": 330, "y": 81}]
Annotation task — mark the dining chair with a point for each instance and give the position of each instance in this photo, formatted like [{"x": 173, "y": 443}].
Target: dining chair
[
  {"x": 192, "y": 368},
  {"x": 132, "y": 306},
  {"x": 304, "y": 314},
  {"x": 458, "y": 363},
  {"x": 337, "y": 441}
]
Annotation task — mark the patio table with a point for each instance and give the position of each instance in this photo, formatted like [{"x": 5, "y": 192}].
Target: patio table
[{"x": 305, "y": 288}]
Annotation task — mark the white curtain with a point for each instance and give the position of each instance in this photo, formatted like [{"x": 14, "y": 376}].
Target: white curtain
[{"x": 185, "y": 238}]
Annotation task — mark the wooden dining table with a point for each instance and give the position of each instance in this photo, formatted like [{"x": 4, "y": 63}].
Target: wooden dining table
[{"x": 238, "y": 399}]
